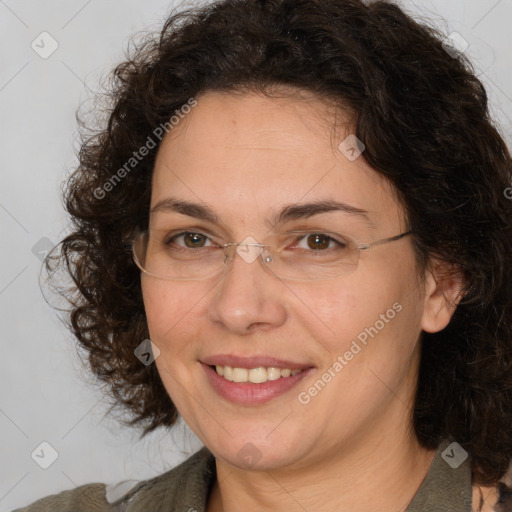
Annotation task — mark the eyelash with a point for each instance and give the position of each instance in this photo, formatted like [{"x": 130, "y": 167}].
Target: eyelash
[
  {"x": 172, "y": 238},
  {"x": 340, "y": 244}
]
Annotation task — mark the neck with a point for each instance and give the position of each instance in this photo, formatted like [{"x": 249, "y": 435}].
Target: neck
[{"x": 382, "y": 474}]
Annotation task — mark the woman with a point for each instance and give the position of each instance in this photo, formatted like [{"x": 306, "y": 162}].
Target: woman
[{"x": 303, "y": 205}]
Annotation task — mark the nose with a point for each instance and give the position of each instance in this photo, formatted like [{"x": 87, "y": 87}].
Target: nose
[{"x": 247, "y": 298}]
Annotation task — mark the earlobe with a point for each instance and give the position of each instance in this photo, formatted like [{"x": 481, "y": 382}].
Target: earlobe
[{"x": 443, "y": 291}]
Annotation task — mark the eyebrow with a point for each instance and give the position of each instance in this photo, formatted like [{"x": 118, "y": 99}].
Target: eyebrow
[
  {"x": 288, "y": 213},
  {"x": 306, "y": 210},
  {"x": 185, "y": 208}
]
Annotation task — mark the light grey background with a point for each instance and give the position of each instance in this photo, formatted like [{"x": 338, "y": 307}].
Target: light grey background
[{"x": 45, "y": 394}]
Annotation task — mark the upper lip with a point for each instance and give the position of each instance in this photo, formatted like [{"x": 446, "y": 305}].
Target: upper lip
[{"x": 253, "y": 362}]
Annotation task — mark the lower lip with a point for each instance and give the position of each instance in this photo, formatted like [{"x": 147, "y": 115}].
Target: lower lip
[{"x": 247, "y": 393}]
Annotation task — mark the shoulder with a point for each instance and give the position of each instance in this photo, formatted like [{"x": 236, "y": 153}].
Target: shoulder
[
  {"x": 184, "y": 487},
  {"x": 187, "y": 483},
  {"x": 90, "y": 498}
]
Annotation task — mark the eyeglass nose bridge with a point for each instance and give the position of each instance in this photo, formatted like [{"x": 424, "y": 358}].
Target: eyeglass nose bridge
[{"x": 248, "y": 255}]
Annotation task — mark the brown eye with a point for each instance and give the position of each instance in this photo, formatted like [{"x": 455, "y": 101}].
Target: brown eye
[
  {"x": 194, "y": 240},
  {"x": 318, "y": 242}
]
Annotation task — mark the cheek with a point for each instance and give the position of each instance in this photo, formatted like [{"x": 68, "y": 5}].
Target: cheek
[
  {"x": 373, "y": 345},
  {"x": 169, "y": 307},
  {"x": 346, "y": 305},
  {"x": 172, "y": 312},
  {"x": 380, "y": 312}
]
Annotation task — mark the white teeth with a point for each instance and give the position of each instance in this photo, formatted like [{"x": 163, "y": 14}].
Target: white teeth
[
  {"x": 240, "y": 374},
  {"x": 273, "y": 373},
  {"x": 228, "y": 373},
  {"x": 254, "y": 375},
  {"x": 257, "y": 375}
]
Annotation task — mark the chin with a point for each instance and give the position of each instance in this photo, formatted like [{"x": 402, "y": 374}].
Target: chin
[{"x": 247, "y": 454}]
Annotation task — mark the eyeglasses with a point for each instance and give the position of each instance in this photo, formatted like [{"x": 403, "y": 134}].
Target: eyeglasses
[{"x": 294, "y": 255}]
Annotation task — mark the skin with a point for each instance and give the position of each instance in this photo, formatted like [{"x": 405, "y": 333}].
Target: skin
[{"x": 352, "y": 446}]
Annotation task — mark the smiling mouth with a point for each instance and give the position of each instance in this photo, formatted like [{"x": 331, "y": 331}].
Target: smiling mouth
[{"x": 257, "y": 375}]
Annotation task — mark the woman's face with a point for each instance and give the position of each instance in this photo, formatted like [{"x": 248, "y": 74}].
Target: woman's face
[{"x": 246, "y": 158}]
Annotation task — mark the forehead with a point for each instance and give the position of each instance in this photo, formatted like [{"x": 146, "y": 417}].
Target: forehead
[{"x": 246, "y": 154}]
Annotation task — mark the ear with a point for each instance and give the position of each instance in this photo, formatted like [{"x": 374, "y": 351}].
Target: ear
[{"x": 443, "y": 291}]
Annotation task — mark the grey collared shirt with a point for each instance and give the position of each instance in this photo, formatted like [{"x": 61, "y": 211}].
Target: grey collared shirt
[{"x": 185, "y": 488}]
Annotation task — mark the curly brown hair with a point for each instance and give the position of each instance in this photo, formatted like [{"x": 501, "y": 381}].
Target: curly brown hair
[{"x": 423, "y": 117}]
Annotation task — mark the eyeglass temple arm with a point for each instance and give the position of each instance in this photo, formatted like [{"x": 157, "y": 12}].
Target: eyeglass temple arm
[{"x": 384, "y": 241}]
